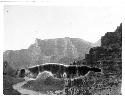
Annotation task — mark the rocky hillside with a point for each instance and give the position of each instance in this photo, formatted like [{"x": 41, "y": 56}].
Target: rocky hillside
[
  {"x": 62, "y": 50},
  {"x": 108, "y": 57},
  {"x": 113, "y": 40},
  {"x": 110, "y": 48}
]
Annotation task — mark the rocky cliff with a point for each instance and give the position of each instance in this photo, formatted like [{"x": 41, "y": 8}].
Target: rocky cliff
[{"x": 62, "y": 50}]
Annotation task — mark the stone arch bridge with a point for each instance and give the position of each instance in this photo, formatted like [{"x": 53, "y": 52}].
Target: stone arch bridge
[{"x": 58, "y": 70}]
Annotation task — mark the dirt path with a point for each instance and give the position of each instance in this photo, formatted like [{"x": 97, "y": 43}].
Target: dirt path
[{"x": 19, "y": 88}]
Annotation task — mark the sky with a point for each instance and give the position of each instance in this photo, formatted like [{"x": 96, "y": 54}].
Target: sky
[{"x": 23, "y": 24}]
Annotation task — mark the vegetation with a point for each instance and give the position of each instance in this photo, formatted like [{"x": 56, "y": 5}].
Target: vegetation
[
  {"x": 50, "y": 84},
  {"x": 9, "y": 79},
  {"x": 108, "y": 57},
  {"x": 108, "y": 82}
]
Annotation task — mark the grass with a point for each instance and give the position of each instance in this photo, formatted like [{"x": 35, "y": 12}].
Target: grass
[
  {"x": 92, "y": 84},
  {"x": 106, "y": 83},
  {"x": 45, "y": 86},
  {"x": 8, "y": 81}
]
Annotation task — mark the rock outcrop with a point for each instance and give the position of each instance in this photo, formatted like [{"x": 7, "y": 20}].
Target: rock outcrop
[{"x": 61, "y": 50}]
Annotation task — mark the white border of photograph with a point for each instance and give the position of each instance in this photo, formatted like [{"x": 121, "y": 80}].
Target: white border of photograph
[{"x": 95, "y": 3}]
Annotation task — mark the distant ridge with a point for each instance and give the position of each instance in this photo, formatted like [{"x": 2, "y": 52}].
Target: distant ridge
[{"x": 60, "y": 50}]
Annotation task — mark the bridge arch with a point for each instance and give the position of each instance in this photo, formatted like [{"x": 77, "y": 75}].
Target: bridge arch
[{"x": 59, "y": 69}]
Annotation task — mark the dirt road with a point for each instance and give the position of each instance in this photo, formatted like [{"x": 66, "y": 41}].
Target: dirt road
[{"x": 24, "y": 91}]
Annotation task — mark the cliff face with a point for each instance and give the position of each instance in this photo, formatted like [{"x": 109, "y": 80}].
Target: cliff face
[
  {"x": 112, "y": 40},
  {"x": 110, "y": 51},
  {"x": 62, "y": 50}
]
